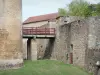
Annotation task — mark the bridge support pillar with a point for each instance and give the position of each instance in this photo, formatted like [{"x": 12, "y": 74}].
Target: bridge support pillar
[{"x": 33, "y": 49}]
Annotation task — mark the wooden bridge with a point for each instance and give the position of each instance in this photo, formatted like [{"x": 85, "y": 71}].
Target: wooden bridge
[{"x": 38, "y": 32}]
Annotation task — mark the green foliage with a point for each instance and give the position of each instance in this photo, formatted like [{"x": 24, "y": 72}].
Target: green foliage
[
  {"x": 79, "y": 8},
  {"x": 62, "y": 12},
  {"x": 45, "y": 67},
  {"x": 82, "y": 8},
  {"x": 95, "y": 9},
  {"x": 98, "y": 9}
]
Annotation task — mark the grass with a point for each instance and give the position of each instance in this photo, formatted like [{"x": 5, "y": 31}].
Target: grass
[{"x": 45, "y": 67}]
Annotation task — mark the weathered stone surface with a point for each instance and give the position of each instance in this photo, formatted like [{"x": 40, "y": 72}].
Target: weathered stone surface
[
  {"x": 79, "y": 33},
  {"x": 10, "y": 34},
  {"x": 34, "y": 49},
  {"x": 84, "y": 35},
  {"x": 93, "y": 51},
  {"x": 25, "y": 48}
]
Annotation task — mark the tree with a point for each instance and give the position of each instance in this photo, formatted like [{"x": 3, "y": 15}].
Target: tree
[
  {"x": 62, "y": 12},
  {"x": 95, "y": 9},
  {"x": 79, "y": 8},
  {"x": 98, "y": 9}
]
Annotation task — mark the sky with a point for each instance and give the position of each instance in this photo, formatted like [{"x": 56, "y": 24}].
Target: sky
[{"x": 39, "y": 7}]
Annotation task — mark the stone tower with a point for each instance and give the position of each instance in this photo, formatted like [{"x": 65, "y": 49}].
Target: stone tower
[{"x": 10, "y": 34}]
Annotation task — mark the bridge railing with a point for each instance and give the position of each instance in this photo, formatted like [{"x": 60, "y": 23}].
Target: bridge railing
[{"x": 38, "y": 31}]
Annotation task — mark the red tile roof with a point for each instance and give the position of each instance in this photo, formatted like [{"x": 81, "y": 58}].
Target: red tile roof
[{"x": 41, "y": 18}]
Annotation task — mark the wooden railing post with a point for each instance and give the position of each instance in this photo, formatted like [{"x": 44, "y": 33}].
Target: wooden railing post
[
  {"x": 45, "y": 30},
  {"x": 54, "y": 30},
  {"x": 36, "y": 30}
]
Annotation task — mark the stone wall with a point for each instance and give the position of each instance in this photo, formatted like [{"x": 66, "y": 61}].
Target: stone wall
[
  {"x": 42, "y": 46},
  {"x": 79, "y": 33},
  {"x": 68, "y": 34},
  {"x": 93, "y": 51},
  {"x": 84, "y": 36},
  {"x": 60, "y": 49}
]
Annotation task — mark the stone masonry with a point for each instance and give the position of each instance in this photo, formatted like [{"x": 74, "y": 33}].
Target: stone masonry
[
  {"x": 84, "y": 36},
  {"x": 79, "y": 37},
  {"x": 10, "y": 34}
]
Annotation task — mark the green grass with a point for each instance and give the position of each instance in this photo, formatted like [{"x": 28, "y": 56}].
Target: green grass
[{"x": 45, "y": 67}]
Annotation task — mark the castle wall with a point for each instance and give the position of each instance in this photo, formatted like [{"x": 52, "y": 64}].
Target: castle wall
[
  {"x": 79, "y": 38},
  {"x": 93, "y": 52},
  {"x": 84, "y": 35}
]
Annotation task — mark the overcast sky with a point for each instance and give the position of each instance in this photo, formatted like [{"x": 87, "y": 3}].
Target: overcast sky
[{"x": 39, "y": 7}]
